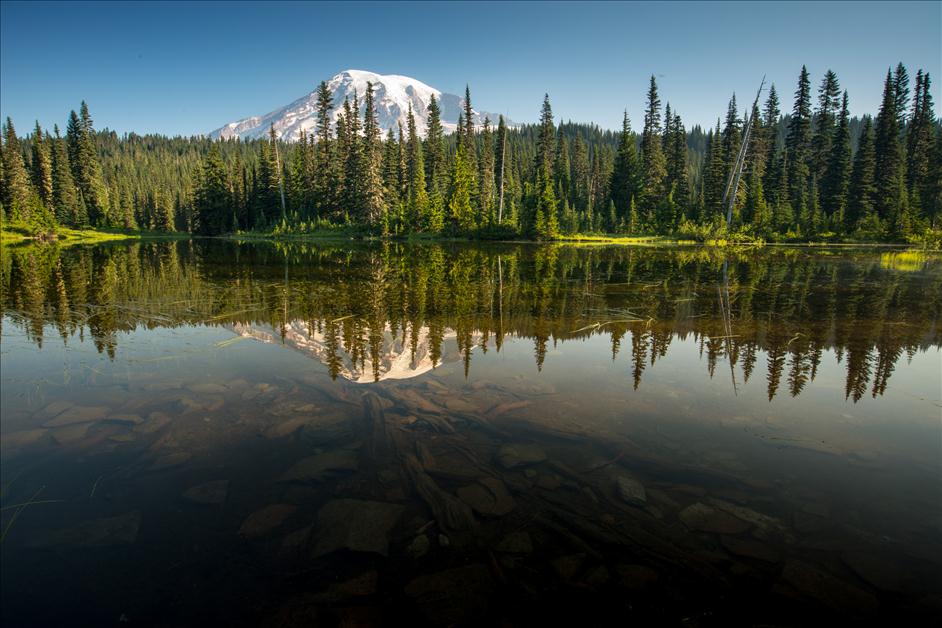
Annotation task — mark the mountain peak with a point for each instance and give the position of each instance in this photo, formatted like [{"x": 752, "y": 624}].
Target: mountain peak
[{"x": 392, "y": 93}]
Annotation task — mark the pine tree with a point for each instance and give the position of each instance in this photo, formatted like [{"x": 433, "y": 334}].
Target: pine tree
[
  {"x": 798, "y": 146},
  {"x": 677, "y": 177},
  {"x": 837, "y": 177},
  {"x": 391, "y": 150},
  {"x": 435, "y": 167},
  {"x": 715, "y": 177},
  {"x": 861, "y": 213},
  {"x": 353, "y": 170},
  {"x": 327, "y": 178},
  {"x": 546, "y": 222},
  {"x": 829, "y": 100},
  {"x": 501, "y": 168},
  {"x": 732, "y": 137},
  {"x": 486, "y": 196},
  {"x": 460, "y": 211},
  {"x": 415, "y": 179},
  {"x": 64, "y": 194},
  {"x": 86, "y": 169},
  {"x": 919, "y": 144},
  {"x": 653, "y": 164},
  {"x": 16, "y": 188},
  {"x": 42, "y": 167},
  {"x": 212, "y": 203},
  {"x": 901, "y": 95},
  {"x": 626, "y": 178},
  {"x": 888, "y": 152},
  {"x": 374, "y": 205},
  {"x": 770, "y": 121},
  {"x": 297, "y": 181},
  {"x": 581, "y": 175}
]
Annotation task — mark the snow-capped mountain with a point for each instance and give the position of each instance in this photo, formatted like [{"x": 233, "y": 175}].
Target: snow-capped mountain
[
  {"x": 396, "y": 360},
  {"x": 392, "y": 94}
]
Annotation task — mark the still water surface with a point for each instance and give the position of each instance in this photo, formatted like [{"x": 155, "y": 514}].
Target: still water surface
[{"x": 341, "y": 434}]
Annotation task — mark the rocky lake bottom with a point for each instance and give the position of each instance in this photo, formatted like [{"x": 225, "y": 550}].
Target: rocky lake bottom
[{"x": 255, "y": 434}]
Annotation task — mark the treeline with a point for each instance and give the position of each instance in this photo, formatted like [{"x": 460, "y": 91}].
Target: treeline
[
  {"x": 813, "y": 172},
  {"x": 790, "y": 308}
]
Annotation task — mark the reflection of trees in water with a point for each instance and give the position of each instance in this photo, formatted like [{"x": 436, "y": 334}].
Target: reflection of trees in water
[{"x": 791, "y": 304}]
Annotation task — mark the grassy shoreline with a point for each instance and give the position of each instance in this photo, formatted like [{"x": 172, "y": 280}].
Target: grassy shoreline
[{"x": 17, "y": 234}]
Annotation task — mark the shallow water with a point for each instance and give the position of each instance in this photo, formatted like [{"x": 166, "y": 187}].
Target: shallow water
[{"x": 264, "y": 434}]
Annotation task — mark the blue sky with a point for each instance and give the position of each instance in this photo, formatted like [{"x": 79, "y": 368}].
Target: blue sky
[{"x": 186, "y": 68}]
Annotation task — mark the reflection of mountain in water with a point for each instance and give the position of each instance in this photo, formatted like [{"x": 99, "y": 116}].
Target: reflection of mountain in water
[{"x": 398, "y": 356}]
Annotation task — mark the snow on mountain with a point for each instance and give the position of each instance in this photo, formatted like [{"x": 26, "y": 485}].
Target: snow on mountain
[
  {"x": 396, "y": 360},
  {"x": 392, "y": 93}
]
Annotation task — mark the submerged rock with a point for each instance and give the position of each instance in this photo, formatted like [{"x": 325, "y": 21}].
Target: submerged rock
[
  {"x": 516, "y": 543},
  {"x": 329, "y": 428},
  {"x": 356, "y": 525},
  {"x": 513, "y": 456},
  {"x": 703, "y": 518},
  {"x": 827, "y": 589},
  {"x": 77, "y": 414},
  {"x": 208, "y": 389},
  {"x": 882, "y": 572},
  {"x": 265, "y": 520},
  {"x": 107, "y": 531},
  {"x": 489, "y": 496},
  {"x": 751, "y": 549},
  {"x": 566, "y": 567},
  {"x": 631, "y": 490},
  {"x": 155, "y": 421},
  {"x": 23, "y": 438},
  {"x": 211, "y": 493},
  {"x": 170, "y": 460},
  {"x": 453, "y": 596},
  {"x": 320, "y": 467},
  {"x": 126, "y": 418},
  {"x": 636, "y": 577},
  {"x": 70, "y": 434},
  {"x": 359, "y": 586},
  {"x": 419, "y": 546},
  {"x": 286, "y": 427}
]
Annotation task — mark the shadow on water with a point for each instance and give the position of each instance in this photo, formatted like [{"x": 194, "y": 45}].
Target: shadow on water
[{"x": 269, "y": 434}]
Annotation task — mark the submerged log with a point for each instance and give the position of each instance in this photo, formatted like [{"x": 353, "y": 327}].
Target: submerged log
[{"x": 452, "y": 514}]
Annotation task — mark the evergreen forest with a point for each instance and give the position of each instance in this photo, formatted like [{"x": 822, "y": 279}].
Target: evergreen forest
[{"x": 812, "y": 172}]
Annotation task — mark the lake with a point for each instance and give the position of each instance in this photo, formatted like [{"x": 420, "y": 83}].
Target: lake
[{"x": 341, "y": 433}]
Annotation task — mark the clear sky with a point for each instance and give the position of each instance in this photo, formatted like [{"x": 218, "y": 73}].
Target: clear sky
[{"x": 188, "y": 68}]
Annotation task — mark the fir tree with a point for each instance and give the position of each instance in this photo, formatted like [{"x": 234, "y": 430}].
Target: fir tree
[
  {"x": 64, "y": 194},
  {"x": 391, "y": 150},
  {"x": 888, "y": 152},
  {"x": 653, "y": 164},
  {"x": 327, "y": 178},
  {"x": 919, "y": 143},
  {"x": 500, "y": 166},
  {"x": 861, "y": 212},
  {"x": 626, "y": 178},
  {"x": 42, "y": 167},
  {"x": 16, "y": 188},
  {"x": 435, "y": 167},
  {"x": 460, "y": 211},
  {"x": 829, "y": 100},
  {"x": 372, "y": 186},
  {"x": 86, "y": 169},
  {"x": 212, "y": 203},
  {"x": 837, "y": 176},
  {"x": 546, "y": 222},
  {"x": 486, "y": 196},
  {"x": 415, "y": 179},
  {"x": 798, "y": 145}
]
